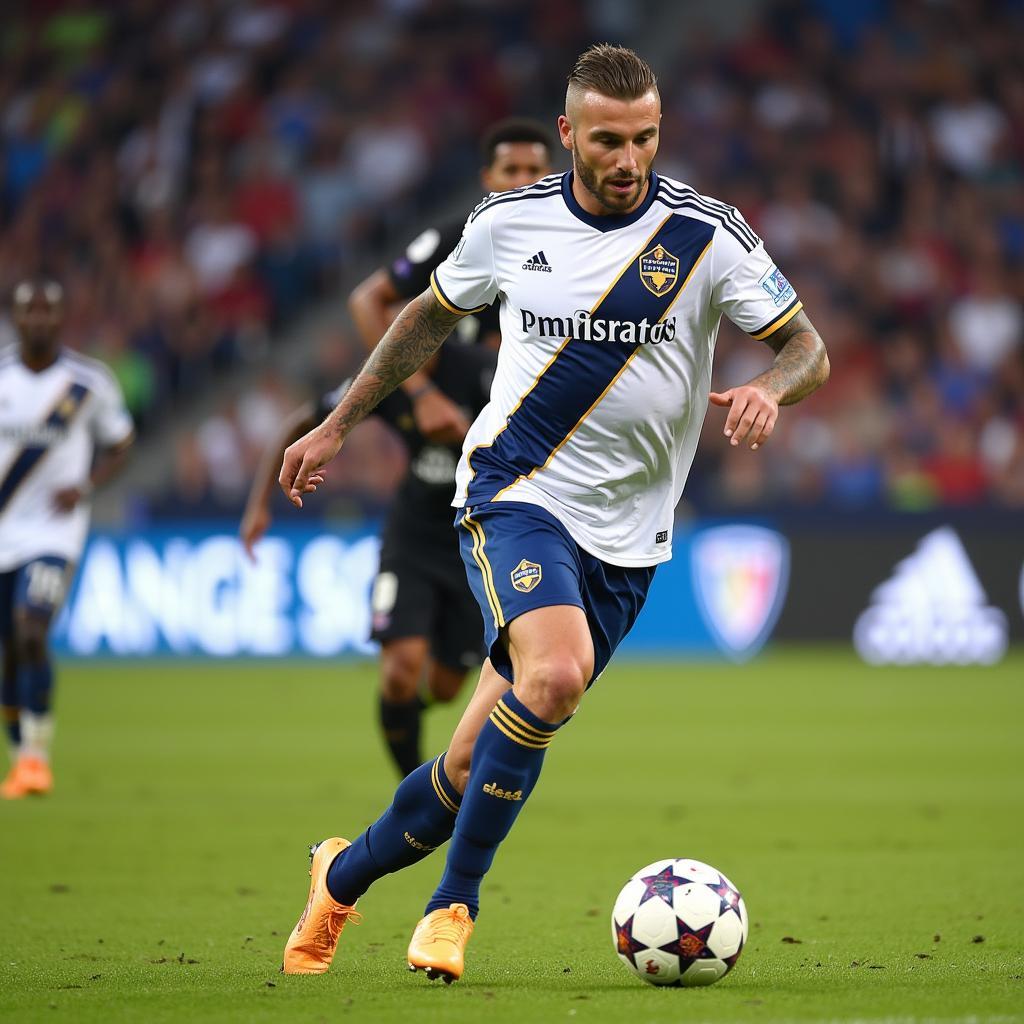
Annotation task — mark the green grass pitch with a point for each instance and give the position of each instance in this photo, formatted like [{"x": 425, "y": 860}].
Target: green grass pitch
[{"x": 873, "y": 819}]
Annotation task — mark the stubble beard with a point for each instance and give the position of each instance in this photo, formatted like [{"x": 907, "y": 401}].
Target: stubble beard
[{"x": 588, "y": 179}]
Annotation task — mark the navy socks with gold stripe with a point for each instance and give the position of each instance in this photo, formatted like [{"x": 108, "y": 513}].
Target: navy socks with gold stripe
[
  {"x": 506, "y": 763},
  {"x": 419, "y": 820}
]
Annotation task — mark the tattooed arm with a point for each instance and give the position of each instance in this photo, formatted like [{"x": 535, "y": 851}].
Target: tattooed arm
[
  {"x": 416, "y": 334},
  {"x": 800, "y": 367}
]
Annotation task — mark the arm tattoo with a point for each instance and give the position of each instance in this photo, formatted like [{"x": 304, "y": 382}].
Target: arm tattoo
[
  {"x": 800, "y": 365},
  {"x": 416, "y": 334}
]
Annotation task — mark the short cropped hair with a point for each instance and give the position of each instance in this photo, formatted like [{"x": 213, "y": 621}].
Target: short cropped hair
[
  {"x": 613, "y": 71},
  {"x": 514, "y": 129}
]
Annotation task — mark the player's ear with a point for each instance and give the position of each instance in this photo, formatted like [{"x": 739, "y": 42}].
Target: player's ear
[{"x": 565, "y": 131}]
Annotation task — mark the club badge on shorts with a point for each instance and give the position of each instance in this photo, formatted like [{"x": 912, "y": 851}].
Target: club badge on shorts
[
  {"x": 659, "y": 270},
  {"x": 525, "y": 576}
]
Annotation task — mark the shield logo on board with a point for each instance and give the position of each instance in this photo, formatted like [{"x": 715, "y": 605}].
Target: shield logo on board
[
  {"x": 740, "y": 577},
  {"x": 659, "y": 270},
  {"x": 525, "y": 576}
]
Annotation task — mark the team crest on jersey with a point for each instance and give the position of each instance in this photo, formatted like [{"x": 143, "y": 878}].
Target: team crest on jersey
[
  {"x": 526, "y": 575},
  {"x": 659, "y": 270},
  {"x": 740, "y": 577}
]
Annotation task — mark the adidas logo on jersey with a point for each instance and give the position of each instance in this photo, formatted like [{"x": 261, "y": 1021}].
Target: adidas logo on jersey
[
  {"x": 538, "y": 262},
  {"x": 932, "y": 610}
]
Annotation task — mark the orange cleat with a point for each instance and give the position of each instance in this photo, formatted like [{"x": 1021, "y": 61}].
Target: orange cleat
[
  {"x": 439, "y": 943},
  {"x": 311, "y": 945},
  {"x": 30, "y": 776}
]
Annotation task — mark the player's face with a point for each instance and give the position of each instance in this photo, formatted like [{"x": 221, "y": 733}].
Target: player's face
[
  {"x": 516, "y": 164},
  {"x": 38, "y": 312},
  {"x": 613, "y": 145}
]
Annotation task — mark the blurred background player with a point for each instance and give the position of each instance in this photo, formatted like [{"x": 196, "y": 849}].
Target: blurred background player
[
  {"x": 424, "y": 615},
  {"x": 56, "y": 409}
]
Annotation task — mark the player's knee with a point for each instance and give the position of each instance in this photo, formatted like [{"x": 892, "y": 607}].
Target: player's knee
[
  {"x": 552, "y": 687},
  {"x": 30, "y": 642},
  {"x": 400, "y": 674},
  {"x": 445, "y": 683}
]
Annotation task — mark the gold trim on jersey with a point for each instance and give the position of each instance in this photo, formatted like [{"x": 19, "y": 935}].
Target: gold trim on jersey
[
  {"x": 597, "y": 401},
  {"x": 480, "y": 557},
  {"x": 558, "y": 352},
  {"x": 435, "y": 287},
  {"x": 780, "y": 322}
]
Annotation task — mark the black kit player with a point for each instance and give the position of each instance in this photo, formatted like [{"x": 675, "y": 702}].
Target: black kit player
[{"x": 423, "y": 613}]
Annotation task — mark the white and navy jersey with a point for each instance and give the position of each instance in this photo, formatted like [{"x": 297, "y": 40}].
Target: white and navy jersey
[
  {"x": 50, "y": 425},
  {"x": 608, "y": 329}
]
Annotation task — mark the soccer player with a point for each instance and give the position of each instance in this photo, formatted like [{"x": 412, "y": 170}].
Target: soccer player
[
  {"x": 612, "y": 282},
  {"x": 56, "y": 408},
  {"x": 425, "y": 617}
]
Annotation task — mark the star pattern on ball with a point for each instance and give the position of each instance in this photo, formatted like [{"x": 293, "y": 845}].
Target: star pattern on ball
[
  {"x": 729, "y": 896},
  {"x": 730, "y": 961},
  {"x": 691, "y": 944},
  {"x": 625, "y": 943},
  {"x": 663, "y": 884}
]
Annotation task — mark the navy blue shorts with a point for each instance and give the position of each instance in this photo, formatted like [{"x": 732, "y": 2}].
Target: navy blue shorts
[
  {"x": 38, "y": 587},
  {"x": 519, "y": 557}
]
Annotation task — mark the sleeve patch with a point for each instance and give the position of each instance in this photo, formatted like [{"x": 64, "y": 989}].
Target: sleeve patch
[{"x": 779, "y": 290}]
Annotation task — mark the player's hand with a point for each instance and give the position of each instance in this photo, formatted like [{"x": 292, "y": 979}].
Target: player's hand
[
  {"x": 302, "y": 468},
  {"x": 255, "y": 523},
  {"x": 752, "y": 414},
  {"x": 67, "y": 498},
  {"x": 438, "y": 418}
]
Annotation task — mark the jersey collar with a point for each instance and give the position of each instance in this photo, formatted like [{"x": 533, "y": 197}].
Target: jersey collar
[{"x": 608, "y": 222}]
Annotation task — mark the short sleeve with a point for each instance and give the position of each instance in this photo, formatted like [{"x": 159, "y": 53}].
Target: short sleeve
[
  {"x": 111, "y": 423},
  {"x": 465, "y": 282},
  {"x": 410, "y": 273},
  {"x": 749, "y": 288}
]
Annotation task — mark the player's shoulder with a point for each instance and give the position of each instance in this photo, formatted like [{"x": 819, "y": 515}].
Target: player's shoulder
[
  {"x": 501, "y": 203},
  {"x": 681, "y": 198},
  {"x": 10, "y": 356},
  {"x": 92, "y": 373}
]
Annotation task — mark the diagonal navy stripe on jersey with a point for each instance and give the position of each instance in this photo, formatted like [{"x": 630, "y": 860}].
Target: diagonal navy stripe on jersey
[
  {"x": 28, "y": 458},
  {"x": 580, "y": 373},
  {"x": 715, "y": 207}
]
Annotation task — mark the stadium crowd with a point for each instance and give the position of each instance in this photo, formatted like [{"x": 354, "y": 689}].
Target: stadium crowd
[{"x": 199, "y": 173}]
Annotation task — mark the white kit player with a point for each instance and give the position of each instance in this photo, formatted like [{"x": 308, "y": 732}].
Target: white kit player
[
  {"x": 612, "y": 282},
  {"x": 56, "y": 409}
]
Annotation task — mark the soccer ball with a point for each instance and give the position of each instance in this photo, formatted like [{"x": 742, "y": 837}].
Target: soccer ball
[{"x": 679, "y": 922}]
